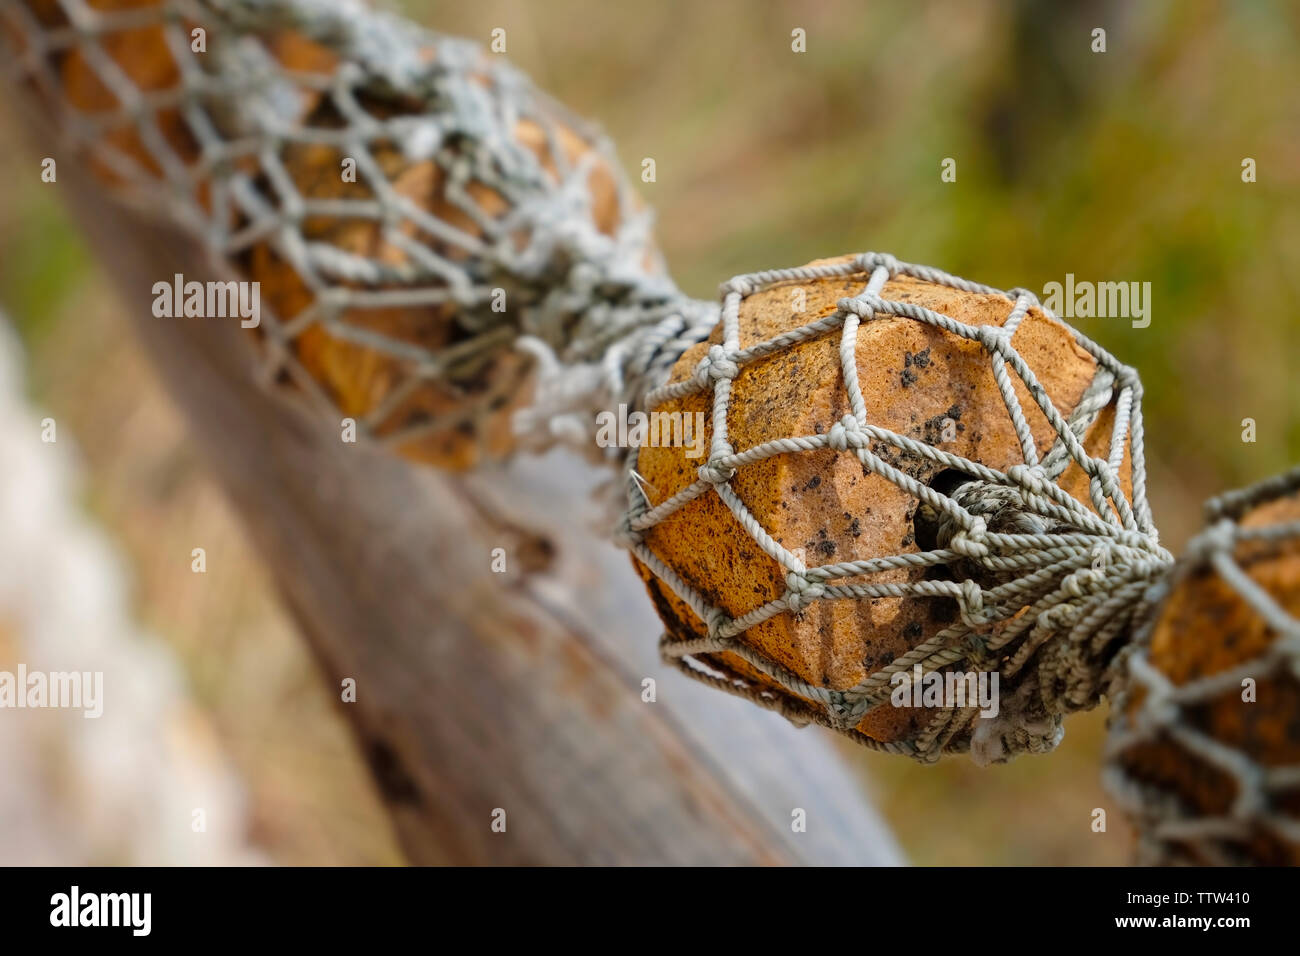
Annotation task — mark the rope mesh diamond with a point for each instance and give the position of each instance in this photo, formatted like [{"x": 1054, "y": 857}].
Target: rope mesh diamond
[
  {"x": 215, "y": 141},
  {"x": 1153, "y": 709},
  {"x": 1079, "y": 571}
]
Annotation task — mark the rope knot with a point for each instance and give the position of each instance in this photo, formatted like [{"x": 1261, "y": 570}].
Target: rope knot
[
  {"x": 969, "y": 542},
  {"x": 716, "y": 366},
  {"x": 972, "y": 604},
  {"x": 845, "y": 434},
  {"x": 992, "y": 335},
  {"x": 715, "y": 621},
  {"x": 870, "y": 261},
  {"x": 1083, "y": 582},
  {"x": 803, "y": 590},
  {"x": 865, "y": 305},
  {"x": 741, "y": 285},
  {"x": 843, "y": 708},
  {"x": 1030, "y": 477},
  {"x": 716, "y": 471}
]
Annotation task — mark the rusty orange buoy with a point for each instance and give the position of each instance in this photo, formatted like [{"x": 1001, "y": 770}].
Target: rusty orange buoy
[{"x": 883, "y": 438}]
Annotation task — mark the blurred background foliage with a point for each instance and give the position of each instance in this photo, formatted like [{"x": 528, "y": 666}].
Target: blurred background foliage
[{"x": 1123, "y": 165}]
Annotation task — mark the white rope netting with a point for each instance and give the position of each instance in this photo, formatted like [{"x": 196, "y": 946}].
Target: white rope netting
[{"x": 1047, "y": 585}]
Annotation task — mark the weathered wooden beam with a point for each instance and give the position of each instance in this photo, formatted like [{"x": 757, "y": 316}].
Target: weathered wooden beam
[{"x": 477, "y": 690}]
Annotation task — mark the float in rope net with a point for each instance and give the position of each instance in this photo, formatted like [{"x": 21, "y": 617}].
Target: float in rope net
[{"x": 1019, "y": 576}]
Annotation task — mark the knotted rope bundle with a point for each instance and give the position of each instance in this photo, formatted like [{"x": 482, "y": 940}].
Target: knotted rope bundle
[
  {"x": 421, "y": 220},
  {"x": 1035, "y": 543},
  {"x": 1203, "y": 750}
]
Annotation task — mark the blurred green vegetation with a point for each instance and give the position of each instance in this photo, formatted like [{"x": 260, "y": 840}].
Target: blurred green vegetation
[
  {"x": 40, "y": 262},
  {"x": 1123, "y": 165}
]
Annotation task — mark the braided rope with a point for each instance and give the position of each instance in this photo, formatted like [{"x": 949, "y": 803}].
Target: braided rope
[
  {"x": 1152, "y": 708},
  {"x": 1047, "y": 587}
]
